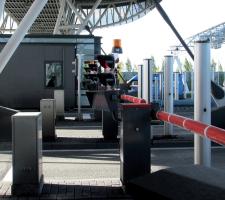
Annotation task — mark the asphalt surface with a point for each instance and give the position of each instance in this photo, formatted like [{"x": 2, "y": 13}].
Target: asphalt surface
[
  {"x": 103, "y": 164},
  {"x": 81, "y": 154}
]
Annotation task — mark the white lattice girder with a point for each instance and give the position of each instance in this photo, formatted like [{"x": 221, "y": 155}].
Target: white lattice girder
[{"x": 108, "y": 13}]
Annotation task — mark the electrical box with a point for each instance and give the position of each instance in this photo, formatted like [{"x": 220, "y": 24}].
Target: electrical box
[
  {"x": 27, "y": 153},
  {"x": 47, "y": 108}
]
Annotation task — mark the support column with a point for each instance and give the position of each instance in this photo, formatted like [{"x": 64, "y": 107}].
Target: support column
[
  {"x": 161, "y": 89},
  {"x": 168, "y": 91},
  {"x": 185, "y": 84},
  {"x": 202, "y": 100},
  {"x": 156, "y": 87},
  {"x": 20, "y": 32},
  {"x": 147, "y": 80},
  {"x": 79, "y": 65},
  {"x": 140, "y": 82},
  {"x": 176, "y": 86},
  {"x": 192, "y": 85}
]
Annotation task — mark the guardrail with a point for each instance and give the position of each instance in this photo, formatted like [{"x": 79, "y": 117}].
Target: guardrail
[
  {"x": 132, "y": 99},
  {"x": 212, "y": 132}
]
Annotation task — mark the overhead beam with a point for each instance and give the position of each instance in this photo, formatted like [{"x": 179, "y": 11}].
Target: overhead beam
[
  {"x": 95, "y": 6},
  {"x": 100, "y": 18},
  {"x": 168, "y": 21},
  {"x": 59, "y": 18},
  {"x": 20, "y": 32},
  {"x": 71, "y": 5}
]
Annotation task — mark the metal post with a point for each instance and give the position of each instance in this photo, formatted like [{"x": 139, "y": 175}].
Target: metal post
[
  {"x": 176, "y": 85},
  {"x": 79, "y": 66},
  {"x": 20, "y": 32},
  {"x": 202, "y": 100},
  {"x": 27, "y": 153},
  {"x": 140, "y": 84},
  {"x": 147, "y": 80},
  {"x": 212, "y": 74},
  {"x": 161, "y": 89},
  {"x": 134, "y": 141},
  {"x": 185, "y": 84},
  {"x": 2, "y": 6},
  {"x": 192, "y": 85},
  {"x": 168, "y": 91},
  {"x": 59, "y": 103},
  {"x": 48, "y": 110},
  {"x": 157, "y": 87}
]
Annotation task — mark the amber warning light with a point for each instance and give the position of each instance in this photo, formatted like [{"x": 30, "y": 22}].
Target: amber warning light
[{"x": 117, "y": 46}]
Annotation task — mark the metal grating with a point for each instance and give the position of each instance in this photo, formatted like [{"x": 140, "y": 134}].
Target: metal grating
[{"x": 74, "y": 13}]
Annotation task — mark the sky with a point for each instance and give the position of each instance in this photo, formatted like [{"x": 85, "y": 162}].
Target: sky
[{"x": 151, "y": 36}]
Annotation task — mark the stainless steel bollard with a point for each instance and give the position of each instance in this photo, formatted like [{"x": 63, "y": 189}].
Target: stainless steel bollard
[
  {"x": 48, "y": 110},
  {"x": 27, "y": 153}
]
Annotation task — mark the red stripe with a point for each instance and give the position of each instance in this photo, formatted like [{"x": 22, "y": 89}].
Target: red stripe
[
  {"x": 162, "y": 116},
  {"x": 195, "y": 126},
  {"x": 216, "y": 134},
  {"x": 177, "y": 120},
  {"x": 132, "y": 99}
]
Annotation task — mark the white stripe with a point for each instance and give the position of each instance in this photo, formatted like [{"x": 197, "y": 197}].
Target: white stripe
[
  {"x": 169, "y": 117},
  {"x": 184, "y": 123},
  {"x": 205, "y": 130}
]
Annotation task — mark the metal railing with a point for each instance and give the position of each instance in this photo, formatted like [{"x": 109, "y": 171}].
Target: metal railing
[{"x": 211, "y": 132}]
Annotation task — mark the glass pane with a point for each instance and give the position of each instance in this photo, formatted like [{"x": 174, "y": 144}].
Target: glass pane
[{"x": 53, "y": 75}]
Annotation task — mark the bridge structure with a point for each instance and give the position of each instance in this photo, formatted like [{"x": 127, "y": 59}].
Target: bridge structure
[
  {"x": 72, "y": 17},
  {"x": 215, "y": 34}
]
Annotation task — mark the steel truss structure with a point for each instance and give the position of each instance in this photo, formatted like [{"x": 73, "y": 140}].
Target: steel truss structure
[
  {"x": 74, "y": 16},
  {"x": 215, "y": 34}
]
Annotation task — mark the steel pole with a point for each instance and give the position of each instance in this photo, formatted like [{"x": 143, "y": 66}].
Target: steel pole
[
  {"x": 79, "y": 65},
  {"x": 161, "y": 89},
  {"x": 202, "y": 100},
  {"x": 192, "y": 85},
  {"x": 20, "y": 32},
  {"x": 140, "y": 84},
  {"x": 147, "y": 80},
  {"x": 168, "y": 91},
  {"x": 156, "y": 88},
  {"x": 176, "y": 86}
]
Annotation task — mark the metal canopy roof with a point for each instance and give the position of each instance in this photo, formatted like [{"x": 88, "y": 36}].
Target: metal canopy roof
[{"x": 67, "y": 16}]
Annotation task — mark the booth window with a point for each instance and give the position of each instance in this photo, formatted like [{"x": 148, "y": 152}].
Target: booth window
[{"x": 53, "y": 75}]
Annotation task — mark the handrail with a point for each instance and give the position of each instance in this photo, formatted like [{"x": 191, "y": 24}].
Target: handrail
[{"x": 212, "y": 132}]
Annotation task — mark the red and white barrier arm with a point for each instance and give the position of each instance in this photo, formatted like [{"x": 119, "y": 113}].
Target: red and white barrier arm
[
  {"x": 132, "y": 99},
  {"x": 213, "y": 133}
]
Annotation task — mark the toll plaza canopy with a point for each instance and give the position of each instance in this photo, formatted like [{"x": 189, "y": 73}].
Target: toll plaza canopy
[{"x": 73, "y": 16}]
